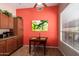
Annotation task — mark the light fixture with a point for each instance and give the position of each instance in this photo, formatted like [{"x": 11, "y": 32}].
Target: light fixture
[
  {"x": 36, "y": 4},
  {"x": 39, "y": 4}
]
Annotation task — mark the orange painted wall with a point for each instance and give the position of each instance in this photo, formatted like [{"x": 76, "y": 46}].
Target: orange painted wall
[{"x": 49, "y": 13}]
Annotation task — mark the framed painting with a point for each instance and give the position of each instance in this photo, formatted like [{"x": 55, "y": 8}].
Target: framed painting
[{"x": 39, "y": 25}]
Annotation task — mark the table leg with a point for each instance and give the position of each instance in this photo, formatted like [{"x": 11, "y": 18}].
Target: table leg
[
  {"x": 34, "y": 47},
  {"x": 44, "y": 49},
  {"x": 29, "y": 47}
]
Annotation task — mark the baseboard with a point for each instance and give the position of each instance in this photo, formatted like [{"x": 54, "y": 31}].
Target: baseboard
[
  {"x": 51, "y": 47},
  {"x": 46, "y": 46},
  {"x": 61, "y": 51}
]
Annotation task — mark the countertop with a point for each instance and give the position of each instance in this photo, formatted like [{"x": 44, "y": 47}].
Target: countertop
[{"x": 8, "y": 38}]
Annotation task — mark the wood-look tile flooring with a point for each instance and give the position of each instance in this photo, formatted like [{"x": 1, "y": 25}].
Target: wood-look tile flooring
[{"x": 24, "y": 51}]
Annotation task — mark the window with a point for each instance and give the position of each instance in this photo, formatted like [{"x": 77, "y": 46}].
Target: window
[{"x": 70, "y": 34}]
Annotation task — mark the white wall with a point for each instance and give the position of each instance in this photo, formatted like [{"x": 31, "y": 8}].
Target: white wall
[
  {"x": 71, "y": 12},
  {"x": 8, "y": 7}
]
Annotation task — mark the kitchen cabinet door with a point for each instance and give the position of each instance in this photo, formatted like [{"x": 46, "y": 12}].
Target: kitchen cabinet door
[
  {"x": 19, "y": 42},
  {"x": 11, "y": 45},
  {"x": 4, "y": 21},
  {"x": 18, "y": 27},
  {"x": 14, "y": 45},
  {"x": 2, "y": 48},
  {"x": 0, "y": 19},
  {"x": 11, "y": 22}
]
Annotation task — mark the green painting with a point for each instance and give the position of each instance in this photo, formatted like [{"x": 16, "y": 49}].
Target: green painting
[{"x": 39, "y": 25}]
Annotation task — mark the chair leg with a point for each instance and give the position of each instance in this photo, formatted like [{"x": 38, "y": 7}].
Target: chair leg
[
  {"x": 29, "y": 47},
  {"x": 44, "y": 49}
]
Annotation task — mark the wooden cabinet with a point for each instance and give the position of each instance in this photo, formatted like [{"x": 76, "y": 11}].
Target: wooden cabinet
[
  {"x": 14, "y": 44},
  {"x": 2, "y": 47},
  {"x": 8, "y": 45},
  {"x": 4, "y": 21},
  {"x": 11, "y": 22},
  {"x": 18, "y": 27},
  {"x": 19, "y": 42},
  {"x": 11, "y": 45}
]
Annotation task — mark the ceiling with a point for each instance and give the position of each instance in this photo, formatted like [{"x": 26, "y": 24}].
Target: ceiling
[{"x": 29, "y": 5}]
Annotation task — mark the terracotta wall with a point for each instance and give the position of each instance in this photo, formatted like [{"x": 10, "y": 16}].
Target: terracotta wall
[{"x": 49, "y": 13}]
